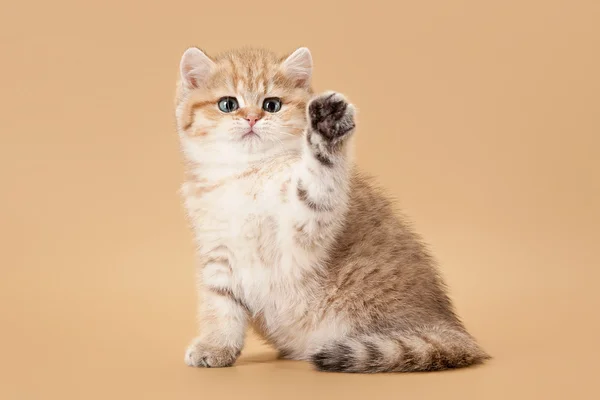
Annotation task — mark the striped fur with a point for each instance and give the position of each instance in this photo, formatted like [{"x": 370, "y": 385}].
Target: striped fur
[
  {"x": 291, "y": 239},
  {"x": 413, "y": 350}
]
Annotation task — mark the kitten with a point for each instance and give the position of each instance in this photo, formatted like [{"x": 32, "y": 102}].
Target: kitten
[{"x": 290, "y": 237}]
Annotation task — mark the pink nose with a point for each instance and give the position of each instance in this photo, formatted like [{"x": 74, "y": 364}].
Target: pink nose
[{"x": 252, "y": 119}]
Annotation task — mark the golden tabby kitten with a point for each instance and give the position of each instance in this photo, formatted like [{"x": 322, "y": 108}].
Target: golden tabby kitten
[{"x": 291, "y": 239}]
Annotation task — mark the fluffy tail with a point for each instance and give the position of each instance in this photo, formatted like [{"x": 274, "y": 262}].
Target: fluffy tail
[{"x": 427, "y": 349}]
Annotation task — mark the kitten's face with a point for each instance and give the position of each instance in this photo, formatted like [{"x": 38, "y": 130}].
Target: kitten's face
[{"x": 243, "y": 104}]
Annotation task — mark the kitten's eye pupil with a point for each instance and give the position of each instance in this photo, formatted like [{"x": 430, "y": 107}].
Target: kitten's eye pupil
[
  {"x": 272, "y": 104},
  {"x": 228, "y": 104}
]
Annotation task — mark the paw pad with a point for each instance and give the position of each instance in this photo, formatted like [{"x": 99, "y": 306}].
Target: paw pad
[{"x": 331, "y": 115}]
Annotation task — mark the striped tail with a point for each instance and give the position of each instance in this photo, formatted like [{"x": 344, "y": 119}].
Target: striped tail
[{"x": 426, "y": 349}]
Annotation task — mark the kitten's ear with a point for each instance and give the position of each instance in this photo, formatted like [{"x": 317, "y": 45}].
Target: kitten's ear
[
  {"x": 298, "y": 66},
  {"x": 195, "y": 67}
]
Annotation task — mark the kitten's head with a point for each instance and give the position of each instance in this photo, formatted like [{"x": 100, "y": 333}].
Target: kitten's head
[{"x": 242, "y": 104}]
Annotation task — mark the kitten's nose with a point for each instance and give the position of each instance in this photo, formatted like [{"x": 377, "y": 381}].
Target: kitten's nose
[{"x": 252, "y": 119}]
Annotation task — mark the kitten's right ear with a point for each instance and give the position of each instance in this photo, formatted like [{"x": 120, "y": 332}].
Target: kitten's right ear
[
  {"x": 195, "y": 67},
  {"x": 298, "y": 66}
]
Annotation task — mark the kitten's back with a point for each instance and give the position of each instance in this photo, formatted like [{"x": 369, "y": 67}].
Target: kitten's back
[{"x": 382, "y": 276}]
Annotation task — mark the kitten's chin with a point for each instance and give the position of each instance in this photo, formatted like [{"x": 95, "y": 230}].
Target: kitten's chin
[{"x": 228, "y": 151}]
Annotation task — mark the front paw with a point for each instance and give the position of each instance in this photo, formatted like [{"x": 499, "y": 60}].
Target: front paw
[
  {"x": 200, "y": 354},
  {"x": 331, "y": 116}
]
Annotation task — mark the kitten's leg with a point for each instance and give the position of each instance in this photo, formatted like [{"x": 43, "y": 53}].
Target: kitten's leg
[
  {"x": 223, "y": 320},
  {"x": 322, "y": 177}
]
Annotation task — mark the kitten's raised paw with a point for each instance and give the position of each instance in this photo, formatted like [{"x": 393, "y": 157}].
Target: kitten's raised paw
[
  {"x": 199, "y": 354},
  {"x": 331, "y": 115}
]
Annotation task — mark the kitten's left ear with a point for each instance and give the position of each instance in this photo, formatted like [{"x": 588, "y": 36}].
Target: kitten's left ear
[
  {"x": 298, "y": 66},
  {"x": 195, "y": 67}
]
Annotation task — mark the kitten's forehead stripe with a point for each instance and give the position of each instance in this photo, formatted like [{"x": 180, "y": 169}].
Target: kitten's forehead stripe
[
  {"x": 251, "y": 78},
  {"x": 234, "y": 72},
  {"x": 253, "y": 71}
]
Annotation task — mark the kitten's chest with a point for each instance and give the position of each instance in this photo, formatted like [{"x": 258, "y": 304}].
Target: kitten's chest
[{"x": 236, "y": 216}]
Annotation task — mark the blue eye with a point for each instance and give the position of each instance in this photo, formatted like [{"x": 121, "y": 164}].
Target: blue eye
[
  {"x": 272, "y": 104},
  {"x": 228, "y": 104}
]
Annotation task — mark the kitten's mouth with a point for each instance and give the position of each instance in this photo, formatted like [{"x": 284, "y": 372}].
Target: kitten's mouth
[{"x": 250, "y": 134}]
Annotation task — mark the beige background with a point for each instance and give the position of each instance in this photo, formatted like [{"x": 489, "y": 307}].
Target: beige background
[{"x": 482, "y": 117}]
